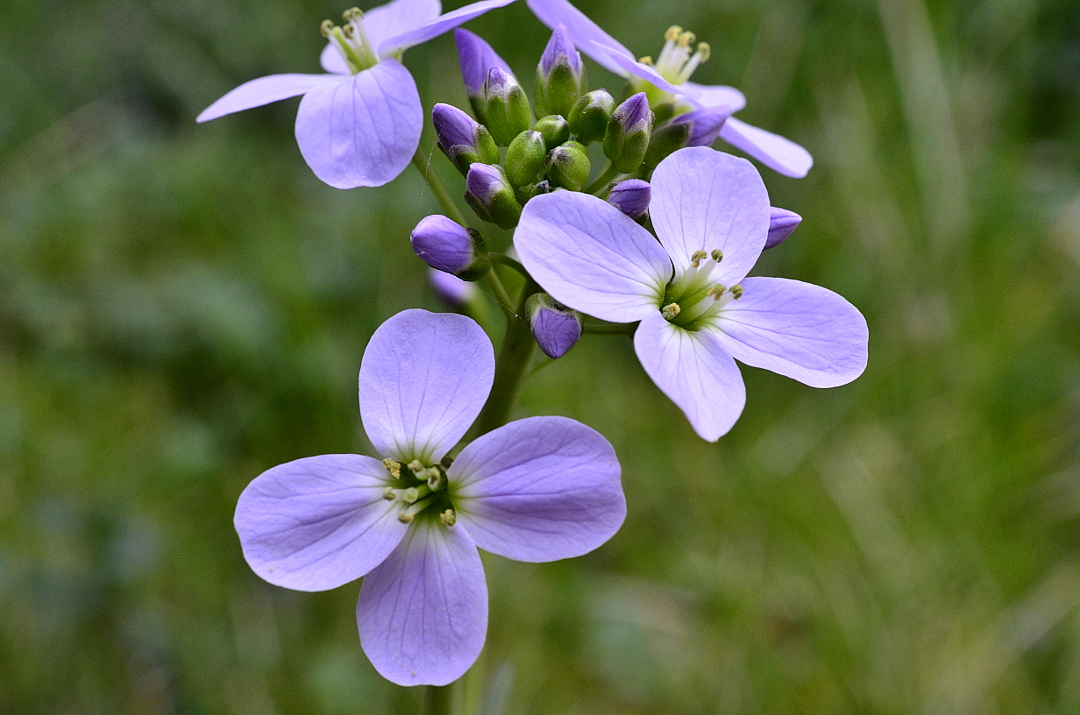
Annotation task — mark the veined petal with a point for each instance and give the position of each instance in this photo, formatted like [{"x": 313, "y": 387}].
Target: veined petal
[
  {"x": 703, "y": 200},
  {"x": 398, "y": 17},
  {"x": 583, "y": 32},
  {"x": 592, "y": 257},
  {"x": 694, "y": 370},
  {"x": 539, "y": 489},
  {"x": 437, "y": 26},
  {"x": 423, "y": 380},
  {"x": 319, "y": 522},
  {"x": 630, "y": 66},
  {"x": 772, "y": 150},
  {"x": 265, "y": 90},
  {"x": 361, "y": 130},
  {"x": 423, "y": 612},
  {"x": 716, "y": 95},
  {"x": 797, "y": 329}
]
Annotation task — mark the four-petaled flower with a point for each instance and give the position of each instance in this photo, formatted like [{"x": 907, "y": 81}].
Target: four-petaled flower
[
  {"x": 697, "y": 309},
  {"x": 538, "y": 489},
  {"x": 360, "y": 124},
  {"x": 668, "y": 77}
]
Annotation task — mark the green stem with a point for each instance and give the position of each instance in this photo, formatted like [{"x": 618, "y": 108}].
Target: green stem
[
  {"x": 517, "y": 345},
  {"x": 439, "y": 700},
  {"x": 502, "y": 296},
  {"x": 610, "y": 172},
  {"x": 423, "y": 165},
  {"x": 508, "y": 261},
  {"x": 608, "y": 329}
]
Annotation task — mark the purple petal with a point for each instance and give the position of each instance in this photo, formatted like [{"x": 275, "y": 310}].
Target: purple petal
[
  {"x": 704, "y": 200},
  {"x": 319, "y": 522},
  {"x": 592, "y": 257},
  {"x": 797, "y": 329},
  {"x": 772, "y": 150},
  {"x": 398, "y": 17},
  {"x": 454, "y": 291},
  {"x": 717, "y": 95},
  {"x": 361, "y": 130},
  {"x": 539, "y": 489},
  {"x": 695, "y": 371},
  {"x": 782, "y": 223},
  {"x": 423, "y": 612},
  {"x": 583, "y": 31},
  {"x": 331, "y": 60},
  {"x": 628, "y": 66},
  {"x": 438, "y": 26},
  {"x": 265, "y": 90},
  {"x": 423, "y": 380},
  {"x": 560, "y": 44},
  {"x": 477, "y": 59}
]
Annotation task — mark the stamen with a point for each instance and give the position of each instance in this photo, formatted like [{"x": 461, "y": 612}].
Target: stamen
[
  {"x": 347, "y": 31},
  {"x": 704, "y": 50},
  {"x": 407, "y": 515},
  {"x": 697, "y": 257},
  {"x": 412, "y": 494},
  {"x": 353, "y": 13},
  {"x": 389, "y": 494},
  {"x": 326, "y": 28},
  {"x": 717, "y": 255},
  {"x": 416, "y": 467},
  {"x": 448, "y": 517},
  {"x": 686, "y": 39},
  {"x": 646, "y": 60},
  {"x": 670, "y": 310},
  {"x": 716, "y": 291},
  {"x": 736, "y": 291},
  {"x": 673, "y": 33},
  {"x": 702, "y": 54},
  {"x": 435, "y": 479},
  {"x": 393, "y": 467}
]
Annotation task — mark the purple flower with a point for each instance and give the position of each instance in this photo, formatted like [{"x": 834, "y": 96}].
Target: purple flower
[
  {"x": 698, "y": 311},
  {"x": 447, "y": 246},
  {"x": 555, "y": 327},
  {"x": 360, "y": 124},
  {"x": 631, "y": 197},
  {"x": 667, "y": 79},
  {"x": 539, "y": 489},
  {"x": 782, "y": 223}
]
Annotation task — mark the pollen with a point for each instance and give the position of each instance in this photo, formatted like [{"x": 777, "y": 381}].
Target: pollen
[
  {"x": 646, "y": 60},
  {"x": 686, "y": 39},
  {"x": 670, "y": 311},
  {"x": 326, "y": 27},
  {"x": 717, "y": 255},
  {"x": 736, "y": 291},
  {"x": 448, "y": 517},
  {"x": 673, "y": 33},
  {"x": 697, "y": 257},
  {"x": 704, "y": 51},
  {"x": 393, "y": 467},
  {"x": 353, "y": 13}
]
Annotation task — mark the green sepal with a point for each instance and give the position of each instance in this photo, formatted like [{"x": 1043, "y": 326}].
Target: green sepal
[
  {"x": 555, "y": 129},
  {"x": 525, "y": 157},
  {"x": 568, "y": 166},
  {"x": 589, "y": 116}
]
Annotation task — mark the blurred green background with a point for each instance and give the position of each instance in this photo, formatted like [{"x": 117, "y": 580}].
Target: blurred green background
[{"x": 183, "y": 306}]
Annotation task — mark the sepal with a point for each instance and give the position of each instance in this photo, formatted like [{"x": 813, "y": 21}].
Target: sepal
[
  {"x": 568, "y": 166},
  {"x": 589, "y": 116},
  {"x": 462, "y": 139},
  {"x": 525, "y": 157},
  {"x": 488, "y": 192},
  {"x": 628, "y": 131}
]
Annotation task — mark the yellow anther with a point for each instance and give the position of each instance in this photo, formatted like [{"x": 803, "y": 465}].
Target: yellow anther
[
  {"x": 717, "y": 255},
  {"x": 326, "y": 28},
  {"x": 646, "y": 60},
  {"x": 393, "y": 467},
  {"x": 388, "y": 494},
  {"x": 736, "y": 291},
  {"x": 673, "y": 33},
  {"x": 704, "y": 52},
  {"x": 697, "y": 257},
  {"x": 405, "y": 517},
  {"x": 670, "y": 310},
  {"x": 347, "y": 31},
  {"x": 448, "y": 517},
  {"x": 411, "y": 495},
  {"x": 716, "y": 291},
  {"x": 353, "y": 13},
  {"x": 686, "y": 39},
  {"x": 416, "y": 466}
]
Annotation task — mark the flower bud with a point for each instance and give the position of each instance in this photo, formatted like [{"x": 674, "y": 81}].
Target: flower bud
[
  {"x": 627, "y": 134},
  {"x": 631, "y": 197},
  {"x": 568, "y": 166},
  {"x": 589, "y": 116},
  {"x": 700, "y": 127},
  {"x": 555, "y": 327},
  {"x": 451, "y": 289},
  {"x": 525, "y": 157},
  {"x": 554, "y": 128},
  {"x": 782, "y": 223},
  {"x": 560, "y": 76},
  {"x": 506, "y": 108},
  {"x": 490, "y": 195},
  {"x": 462, "y": 140},
  {"x": 448, "y": 246},
  {"x": 541, "y": 187},
  {"x": 476, "y": 59}
]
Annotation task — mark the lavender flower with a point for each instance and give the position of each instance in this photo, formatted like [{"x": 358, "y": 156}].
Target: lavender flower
[
  {"x": 697, "y": 309},
  {"x": 668, "y": 79},
  {"x": 631, "y": 197},
  {"x": 360, "y": 124},
  {"x": 555, "y": 327},
  {"x": 782, "y": 223},
  {"x": 539, "y": 489}
]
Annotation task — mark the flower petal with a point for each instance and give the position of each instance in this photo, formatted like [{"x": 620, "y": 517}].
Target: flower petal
[
  {"x": 694, "y": 370},
  {"x": 797, "y": 329},
  {"x": 592, "y": 257},
  {"x": 716, "y": 95},
  {"x": 361, "y": 130},
  {"x": 398, "y": 17},
  {"x": 772, "y": 150},
  {"x": 331, "y": 60},
  {"x": 539, "y": 489},
  {"x": 703, "y": 200},
  {"x": 423, "y": 380},
  {"x": 265, "y": 90},
  {"x": 319, "y": 522},
  {"x": 630, "y": 66},
  {"x": 438, "y": 26},
  {"x": 423, "y": 612},
  {"x": 583, "y": 31}
]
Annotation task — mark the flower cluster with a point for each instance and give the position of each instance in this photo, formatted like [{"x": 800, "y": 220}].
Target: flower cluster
[{"x": 657, "y": 243}]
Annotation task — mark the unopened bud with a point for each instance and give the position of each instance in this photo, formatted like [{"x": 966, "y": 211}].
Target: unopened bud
[
  {"x": 782, "y": 223},
  {"x": 447, "y": 246},
  {"x": 462, "y": 139},
  {"x": 506, "y": 108},
  {"x": 554, "y": 128},
  {"x": 525, "y": 157},
  {"x": 541, "y": 187},
  {"x": 589, "y": 117},
  {"x": 631, "y": 197},
  {"x": 476, "y": 59},
  {"x": 700, "y": 127},
  {"x": 560, "y": 76},
  {"x": 627, "y": 135},
  {"x": 568, "y": 166},
  {"x": 490, "y": 195},
  {"x": 555, "y": 327}
]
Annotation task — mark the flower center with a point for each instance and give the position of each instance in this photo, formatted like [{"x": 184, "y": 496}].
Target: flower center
[
  {"x": 693, "y": 298},
  {"x": 351, "y": 41},
  {"x": 422, "y": 489},
  {"x": 675, "y": 64}
]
